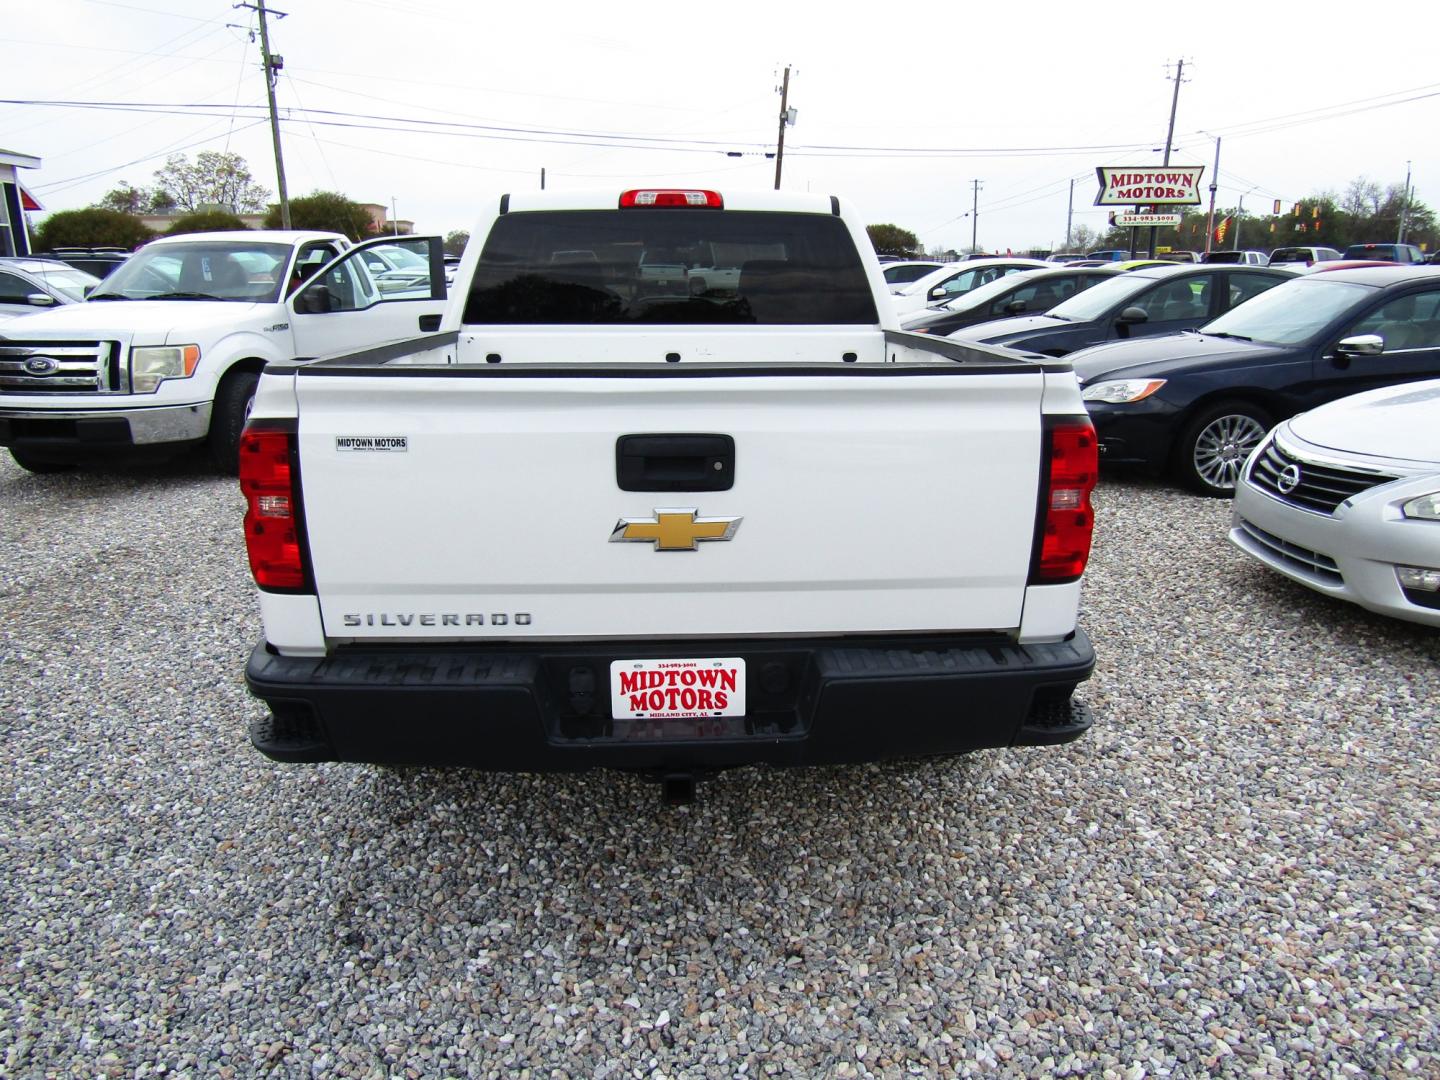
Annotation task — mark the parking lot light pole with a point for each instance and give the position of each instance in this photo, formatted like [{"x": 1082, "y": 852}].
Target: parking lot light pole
[
  {"x": 1239, "y": 217},
  {"x": 1214, "y": 184},
  {"x": 1404, "y": 207}
]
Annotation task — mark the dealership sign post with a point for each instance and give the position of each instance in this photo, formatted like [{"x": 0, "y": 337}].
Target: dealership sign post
[{"x": 1148, "y": 185}]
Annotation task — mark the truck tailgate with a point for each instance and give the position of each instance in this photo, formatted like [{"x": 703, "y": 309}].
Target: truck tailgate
[{"x": 480, "y": 503}]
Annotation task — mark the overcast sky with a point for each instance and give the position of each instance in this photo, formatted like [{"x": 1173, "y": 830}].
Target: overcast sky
[{"x": 901, "y": 105}]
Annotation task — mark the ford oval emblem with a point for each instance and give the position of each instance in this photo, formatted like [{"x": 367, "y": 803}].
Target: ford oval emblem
[
  {"x": 1288, "y": 480},
  {"x": 41, "y": 365}
]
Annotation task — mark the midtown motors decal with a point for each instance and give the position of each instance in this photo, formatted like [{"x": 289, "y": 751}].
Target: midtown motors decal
[{"x": 382, "y": 444}]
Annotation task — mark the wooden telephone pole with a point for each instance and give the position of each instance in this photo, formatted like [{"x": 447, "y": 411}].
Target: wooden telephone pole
[{"x": 271, "y": 65}]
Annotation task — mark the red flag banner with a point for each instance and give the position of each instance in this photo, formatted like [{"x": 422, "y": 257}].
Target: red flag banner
[{"x": 1221, "y": 230}]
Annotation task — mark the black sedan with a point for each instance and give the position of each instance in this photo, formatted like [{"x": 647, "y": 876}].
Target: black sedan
[
  {"x": 1142, "y": 303},
  {"x": 1029, "y": 290},
  {"x": 1197, "y": 403}
]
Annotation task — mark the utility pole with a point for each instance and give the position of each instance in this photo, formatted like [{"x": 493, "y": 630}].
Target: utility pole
[
  {"x": 394, "y": 217},
  {"x": 1404, "y": 207},
  {"x": 1069, "y": 213},
  {"x": 271, "y": 65},
  {"x": 784, "y": 119},
  {"x": 1214, "y": 184},
  {"x": 974, "y": 216},
  {"x": 1169, "y": 134},
  {"x": 542, "y": 179}
]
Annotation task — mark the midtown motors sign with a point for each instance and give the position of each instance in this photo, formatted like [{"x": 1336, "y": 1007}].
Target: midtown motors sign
[{"x": 1152, "y": 185}]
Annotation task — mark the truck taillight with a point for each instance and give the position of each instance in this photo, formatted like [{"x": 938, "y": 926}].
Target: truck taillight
[
  {"x": 1067, "y": 519},
  {"x": 671, "y": 197},
  {"x": 272, "y": 514}
]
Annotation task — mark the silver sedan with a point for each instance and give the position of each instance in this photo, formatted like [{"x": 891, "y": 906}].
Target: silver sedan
[{"x": 1345, "y": 499}]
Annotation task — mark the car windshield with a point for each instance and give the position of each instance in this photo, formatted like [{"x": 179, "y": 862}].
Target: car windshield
[
  {"x": 1290, "y": 312},
  {"x": 1098, "y": 299},
  {"x": 200, "y": 270},
  {"x": 1285, "y": 255},
  {"x": 65, "y": 279},
  {"x": 983, "y": 294}
]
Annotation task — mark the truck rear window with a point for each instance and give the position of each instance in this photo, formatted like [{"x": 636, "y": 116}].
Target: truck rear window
[{"x": 669, "y": 265}]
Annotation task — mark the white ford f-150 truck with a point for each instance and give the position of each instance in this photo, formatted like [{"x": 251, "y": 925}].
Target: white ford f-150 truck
[
  {"x": 167, "y": 350},
  {"x": 587, "y": 524}
]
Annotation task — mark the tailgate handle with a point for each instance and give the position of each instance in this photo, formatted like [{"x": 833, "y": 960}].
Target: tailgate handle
[{"x": 675, "y": 462}]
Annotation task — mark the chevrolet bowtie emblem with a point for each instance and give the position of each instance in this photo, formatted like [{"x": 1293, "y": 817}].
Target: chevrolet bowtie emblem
[{"x": 674, "y": 530}]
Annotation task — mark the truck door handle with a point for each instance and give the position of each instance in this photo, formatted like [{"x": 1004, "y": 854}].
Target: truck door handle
[{"x": 675, "y": 462}]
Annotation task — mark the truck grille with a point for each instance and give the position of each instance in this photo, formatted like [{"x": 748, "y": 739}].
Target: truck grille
[
  {"x": 60, "y": 367},
  {"x": 1312, "y": 564},
  {"x": 1318, "y": 488}
]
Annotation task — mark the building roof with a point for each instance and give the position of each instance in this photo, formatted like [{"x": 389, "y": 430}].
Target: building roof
[{"x": 18, "y": 161}]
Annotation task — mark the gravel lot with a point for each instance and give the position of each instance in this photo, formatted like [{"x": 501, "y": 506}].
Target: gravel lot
[{"x": 1236, "y": 873}]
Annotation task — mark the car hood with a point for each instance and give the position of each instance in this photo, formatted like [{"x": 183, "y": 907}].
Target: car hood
[
  {"x": 999, "y": 331},
  {"x": 1166, "y": 354},
  {"x": 135, "y": 316},
  {"x": 1391, "y": 422}
]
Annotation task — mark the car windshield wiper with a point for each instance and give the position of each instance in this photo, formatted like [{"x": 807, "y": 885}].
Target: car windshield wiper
[
  {"x": 108, "y": 296},
  {"x": 1052, "y": 315},
  {"x": 184, "y": 296},
  {"x": 1222, "y": 333}
]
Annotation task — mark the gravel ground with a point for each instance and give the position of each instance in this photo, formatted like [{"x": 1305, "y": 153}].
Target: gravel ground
[{"x": 1235, "y": 874}]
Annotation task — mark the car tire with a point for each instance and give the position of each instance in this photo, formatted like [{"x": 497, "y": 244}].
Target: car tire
[
  {"x": 227, "y": 419},
  {"x": 1213, "y": 446},
  {"x": 41, "y": 466}
]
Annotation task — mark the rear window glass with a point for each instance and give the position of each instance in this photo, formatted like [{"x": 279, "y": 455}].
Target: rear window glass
[{"x": 638, "y": 265}]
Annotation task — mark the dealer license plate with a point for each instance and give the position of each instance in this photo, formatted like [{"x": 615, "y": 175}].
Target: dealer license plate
[{"x": 671, "y": 689}]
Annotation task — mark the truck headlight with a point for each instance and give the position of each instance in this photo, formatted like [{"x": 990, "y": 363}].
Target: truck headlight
[
  {"x": 1122, "y": 391},
  {"x": 150, "y": 365},
  {"x": 1425, "y": 507}
]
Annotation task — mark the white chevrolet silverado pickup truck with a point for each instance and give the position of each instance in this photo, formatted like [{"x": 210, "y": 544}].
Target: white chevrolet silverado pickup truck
[
  {"x": 167, "y": 350},
  {"x": 586, "y": 524}
]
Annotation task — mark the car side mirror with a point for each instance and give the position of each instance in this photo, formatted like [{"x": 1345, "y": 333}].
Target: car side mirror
[
  {"x": 1361, "y": 345},
  {"x": 40, "y": 299},
  {"x": 937, "y": 293},
  {"x": 1133, "y": 314},
  {"x": 1015, "y": 307},
  {"x": 316, "y": 299}
]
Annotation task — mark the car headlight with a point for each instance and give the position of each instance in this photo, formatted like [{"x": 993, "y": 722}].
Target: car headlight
[
  {"x": 1122, "y": 391},
  {"x": 1424, "y": 507},
  {"x": 150, "y": 365}
]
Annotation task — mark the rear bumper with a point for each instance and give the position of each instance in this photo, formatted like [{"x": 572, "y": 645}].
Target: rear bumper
[{"x": 810, "y": 702}]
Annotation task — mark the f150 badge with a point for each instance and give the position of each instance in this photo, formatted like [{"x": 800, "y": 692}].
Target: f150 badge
[{"x": 674, "y": 529}]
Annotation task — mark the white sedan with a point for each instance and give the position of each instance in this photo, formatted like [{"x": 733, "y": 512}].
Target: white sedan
[
  {"x": 1345, "y": 499},
  {"x": 956, "y": 279}
]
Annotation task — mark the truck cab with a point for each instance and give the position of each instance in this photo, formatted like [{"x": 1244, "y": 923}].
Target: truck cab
[{"x": 166, "y": 351}]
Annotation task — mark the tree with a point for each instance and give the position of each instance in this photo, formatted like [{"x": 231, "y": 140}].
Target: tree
[
  {"x": 92, "y": 227},
  {"x": 455, "y": 242},
  {"x": 126, "y": 199},
  {"x": 892, "y": 240},
  {"x": 1363, "y": 198},
  {"x": 205, "y": 221},
  {"x": 216, "y": 179},
  {"x": 325, "y": 211},
  {"x": 1082, "y": 238}
]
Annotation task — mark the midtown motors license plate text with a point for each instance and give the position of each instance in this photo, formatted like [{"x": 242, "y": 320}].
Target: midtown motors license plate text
[{"x": 664, "y": 689}]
